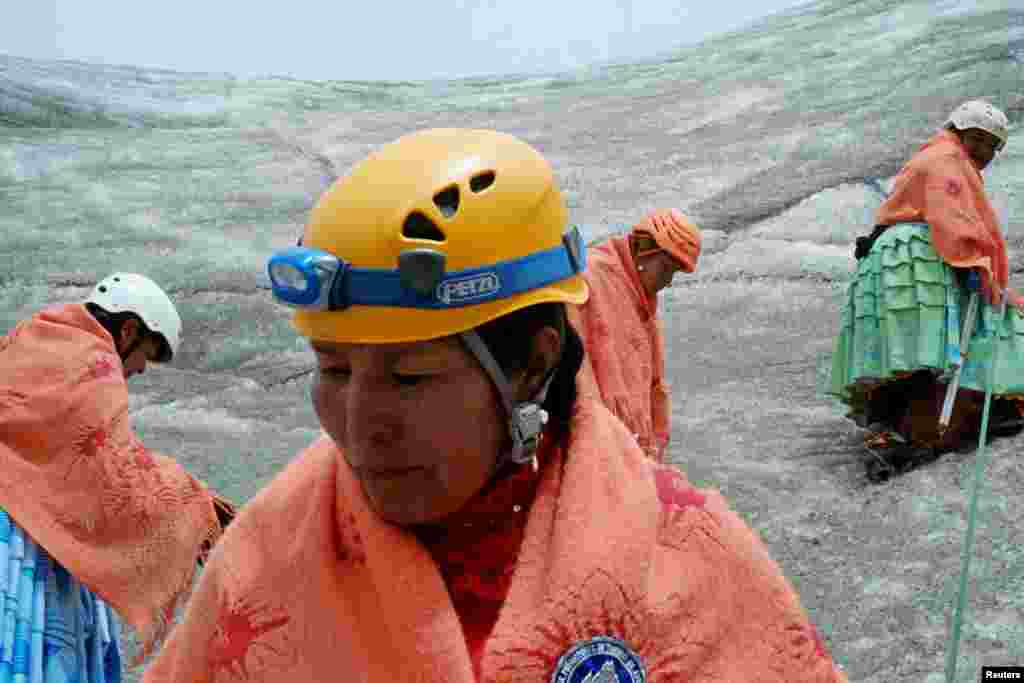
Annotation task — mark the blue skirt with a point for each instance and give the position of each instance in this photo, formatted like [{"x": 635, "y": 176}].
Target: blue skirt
[{"x": 52, "y": 628}]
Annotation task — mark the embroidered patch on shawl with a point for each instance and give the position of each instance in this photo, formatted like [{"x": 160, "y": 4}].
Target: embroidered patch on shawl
[
  {"x": 601, "y": 606},
  {"x": 599, "y": 660}
]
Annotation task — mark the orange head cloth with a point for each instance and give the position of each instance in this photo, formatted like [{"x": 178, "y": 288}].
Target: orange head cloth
[{"x": 673, "y": 232}]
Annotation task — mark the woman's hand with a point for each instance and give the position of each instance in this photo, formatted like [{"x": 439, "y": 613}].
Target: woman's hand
[
  {"x": 1015, "y": 299},
  {"x": 226, "y": 511}
]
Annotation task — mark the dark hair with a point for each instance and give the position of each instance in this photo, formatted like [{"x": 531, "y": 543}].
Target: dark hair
[
  {"x": 113, "y": 322},
  {"x": 509, "y": 339}
]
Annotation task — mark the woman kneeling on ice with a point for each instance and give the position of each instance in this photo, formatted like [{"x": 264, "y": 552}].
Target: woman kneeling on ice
[
  {"x": 936, "y": 241},
  {"x": 464, "y": 517},
  {"x": 625, "y": 360}
]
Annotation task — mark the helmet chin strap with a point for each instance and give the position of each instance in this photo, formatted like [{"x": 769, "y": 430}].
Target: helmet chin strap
[{"x": 525, "y": 420}]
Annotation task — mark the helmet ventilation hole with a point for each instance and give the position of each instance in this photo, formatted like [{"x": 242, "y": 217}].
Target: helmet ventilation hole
[
  {"x": 481, "y": 181},
  {"x": 448, "y": 201},
  {"x": 417, "y": 226}
]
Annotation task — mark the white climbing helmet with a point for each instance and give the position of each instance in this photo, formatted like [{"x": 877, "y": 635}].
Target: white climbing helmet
[
  {"x": 134, "y": 293},
  {"x": 980, "y": 114}
]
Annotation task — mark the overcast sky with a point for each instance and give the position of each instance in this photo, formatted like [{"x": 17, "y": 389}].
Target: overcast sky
[{"x": 369, "y": 39}]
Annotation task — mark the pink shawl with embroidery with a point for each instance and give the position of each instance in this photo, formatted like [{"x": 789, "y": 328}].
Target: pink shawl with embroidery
[
  {"x": 309, "y": 585},
  {"x": 942, "y": 187},
  {"x": 127, "y": 523},
  {"x": 624, "y": 366}
]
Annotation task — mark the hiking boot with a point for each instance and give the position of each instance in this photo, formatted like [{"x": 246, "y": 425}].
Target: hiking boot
[
  {"x": 1008, "y": 427},
  {"x": 1005, "y": 419},
  {"x": 877, "y": 467},
  {"x": 883, "y": 464},
  {"x": 910, "y": 457}
]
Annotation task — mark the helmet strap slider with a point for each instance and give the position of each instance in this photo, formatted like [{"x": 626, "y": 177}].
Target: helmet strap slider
[
  {"x": 525, "y": 420},
  {"x": 421, "y": 269}
]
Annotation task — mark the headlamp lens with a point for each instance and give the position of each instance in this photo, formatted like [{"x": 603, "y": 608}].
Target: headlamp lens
[{"x": 287, "y": 275}]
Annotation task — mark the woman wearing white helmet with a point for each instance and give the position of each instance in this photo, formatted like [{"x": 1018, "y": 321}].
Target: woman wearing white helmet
[
  {"x": 983, "y": 130},
  {"x": 466, "y": 517},
  {"x": 140, "y": 318},
  {"x": 937, "y": 239},
  {"x": 94, "y": 528}
]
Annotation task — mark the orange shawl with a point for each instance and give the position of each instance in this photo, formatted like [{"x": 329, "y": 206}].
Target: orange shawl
[
  {"x": 126, "y": 522},
  {"x": 308, "y": 584},
  {"x": 624, "y": 365},
  {"x": 942, "y": 187}
]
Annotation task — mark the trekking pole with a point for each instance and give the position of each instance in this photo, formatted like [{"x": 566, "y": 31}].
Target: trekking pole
[
  {"x": 972, "y": 515},
  {"x": 973, "y": 284}
]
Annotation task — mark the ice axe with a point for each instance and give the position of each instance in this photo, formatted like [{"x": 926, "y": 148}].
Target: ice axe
[{"x": 973, "y": 285}]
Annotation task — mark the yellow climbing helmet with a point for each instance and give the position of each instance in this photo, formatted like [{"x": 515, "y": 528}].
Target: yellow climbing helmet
[{"x": 434, "y": 234}]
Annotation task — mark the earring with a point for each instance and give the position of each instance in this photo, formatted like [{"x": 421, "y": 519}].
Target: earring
[{"x": 641, "y": 268}]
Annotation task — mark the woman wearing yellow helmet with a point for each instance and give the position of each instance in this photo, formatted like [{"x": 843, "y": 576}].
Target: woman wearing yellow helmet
[{"x": 465, "y": 517}]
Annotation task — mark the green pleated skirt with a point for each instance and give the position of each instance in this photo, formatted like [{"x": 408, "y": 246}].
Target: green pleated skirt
[{"x": 902, "y": 314}]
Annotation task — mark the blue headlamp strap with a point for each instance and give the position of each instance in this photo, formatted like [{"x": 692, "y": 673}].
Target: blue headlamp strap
[{"x": 310, "y": 278}]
